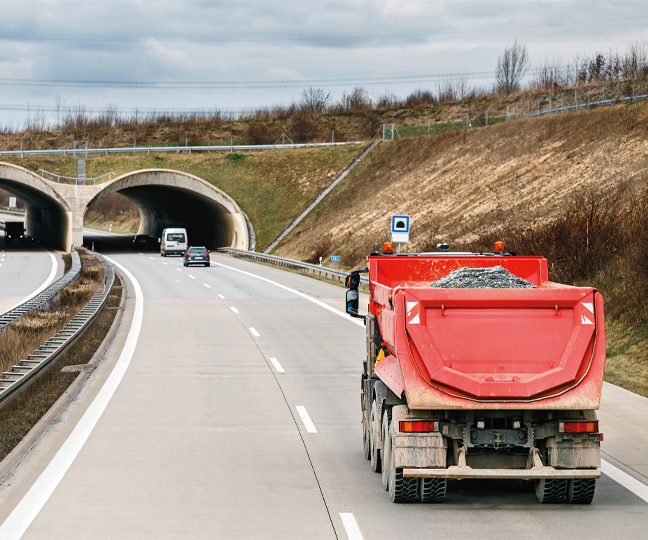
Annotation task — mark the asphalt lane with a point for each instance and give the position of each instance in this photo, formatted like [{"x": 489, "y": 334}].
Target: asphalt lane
[{"x": 206, "y": 438}]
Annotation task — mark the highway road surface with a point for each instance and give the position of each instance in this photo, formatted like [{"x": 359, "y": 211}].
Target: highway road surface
[
  {"x": 238, "y": 416},
  {"x": 25, "y": 270}
]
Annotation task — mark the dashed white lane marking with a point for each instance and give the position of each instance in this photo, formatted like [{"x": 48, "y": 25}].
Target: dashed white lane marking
[
  {"x": 179, "y": 269},
  {"x": 177, "y": 281},
  {"x": 31, "y": 504},
  {"x": 165, "y": 263},
  {"x": 627, "y": 481},
  {"x": 152, "y": 258},
  {"x": 140, "y": 253},
  {"x": 351, "y": 526},
  {"x": 221, "y": 296},
  {"x": 359, "y": 322},
  {"x": 277, "y": 365},
  {"x": 234, "y": 309},
  {"x": 254, "y": 332},
  {"x": 308, "y": 423},
  {"x": 192, "y": 277},
  {"x": 208, "y": 286}
]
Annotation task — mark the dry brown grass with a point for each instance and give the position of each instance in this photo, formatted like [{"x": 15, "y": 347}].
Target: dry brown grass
[
  {"x": 26, "y": 334},
  {"x": 27, "y": 409}
]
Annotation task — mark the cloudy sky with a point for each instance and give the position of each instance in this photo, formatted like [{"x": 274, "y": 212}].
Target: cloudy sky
[{"x": 197, "y": 54}]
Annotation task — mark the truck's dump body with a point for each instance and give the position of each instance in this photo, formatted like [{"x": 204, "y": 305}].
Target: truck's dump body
[{"x": 538, "y": 348}]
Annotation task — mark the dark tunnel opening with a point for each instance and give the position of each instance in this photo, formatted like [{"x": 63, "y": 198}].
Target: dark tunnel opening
[
  {"x": 45, "y": 219},
  {"x": 208, "y": 223}
]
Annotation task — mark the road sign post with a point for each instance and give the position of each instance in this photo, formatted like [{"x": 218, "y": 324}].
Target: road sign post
[{"x": 400, "y": 229}]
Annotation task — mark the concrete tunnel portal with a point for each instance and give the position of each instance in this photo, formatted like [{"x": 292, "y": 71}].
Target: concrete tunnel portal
[{"x": 165, "y": 198}]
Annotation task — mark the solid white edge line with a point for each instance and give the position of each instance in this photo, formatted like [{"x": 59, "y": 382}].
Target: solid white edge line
[
  {"x": 44, "y": 286},
  {"x": 277, "y": 365},
  {"x": 348, "y": 317},
  {"x": 254, "y": 332},
  {"x": 306, "y": 419},
  {"x": 31, "y": 504},
  {"x": 234, "y": 309},
  {"x": 351, "y": 526},
  {"x": 627, "y": 481}
]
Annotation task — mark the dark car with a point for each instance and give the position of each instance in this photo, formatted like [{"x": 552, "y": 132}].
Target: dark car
[
  {"x": 196, "y": 255},
  {"x": 144, "y": 240}
]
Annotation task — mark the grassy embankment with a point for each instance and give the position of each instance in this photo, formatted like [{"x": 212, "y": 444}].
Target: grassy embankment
[
  {"x": 271, "y": 187},
  {"x": 572, "y": 187}
]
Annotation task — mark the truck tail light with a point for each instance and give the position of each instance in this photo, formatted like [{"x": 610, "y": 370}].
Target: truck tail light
[
  {"x": 418, "y": 427},
  {"x": 578, "y": 427}
]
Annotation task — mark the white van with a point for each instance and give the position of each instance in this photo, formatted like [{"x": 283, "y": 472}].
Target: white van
[{"x": 173, "y": 242}]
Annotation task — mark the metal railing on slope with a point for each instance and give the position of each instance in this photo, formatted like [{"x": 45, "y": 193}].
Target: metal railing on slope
[
  {"x": 25, "y": 372},
  {"x": 43, "y": 299},
  {"x": 313, "y": 269},
  {"x": 311, "y": 206}
]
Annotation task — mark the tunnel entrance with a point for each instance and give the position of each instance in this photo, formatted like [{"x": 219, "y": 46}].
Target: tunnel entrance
[
  {"x": 47, "y": 215},
  {"x": 170, "y": 199}
]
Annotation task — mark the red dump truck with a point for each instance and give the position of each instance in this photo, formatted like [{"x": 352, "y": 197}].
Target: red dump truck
[{"x": 479, "y": 383}]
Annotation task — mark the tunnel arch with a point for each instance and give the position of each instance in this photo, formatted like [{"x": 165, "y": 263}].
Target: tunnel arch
[
  {"x": 48, "y": 215},
  {"x": 169, "y": 198}
]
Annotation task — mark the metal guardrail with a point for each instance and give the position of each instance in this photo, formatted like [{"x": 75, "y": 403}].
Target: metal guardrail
[
  {"x": 58, "y": 177},
  {"x": 43, "y": 299},
  {"x": 314, "y": 269},
  {"x": 157, "y": 149},
  {"x": 25, "y": 372}
]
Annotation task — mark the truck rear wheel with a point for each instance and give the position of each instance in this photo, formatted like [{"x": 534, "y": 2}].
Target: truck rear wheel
[
  {"x": 375, "y": 434},
  {"x": 401, "y": 489},
  {"x": 551, "y": 491},
  {"x": 581, "y": 491},
  {"x": 432, "y": 490},
  {"x": 366, "y": 443}
]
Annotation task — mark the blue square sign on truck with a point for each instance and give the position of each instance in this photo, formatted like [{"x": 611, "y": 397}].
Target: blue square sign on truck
[{"x": 400, "y": 228}]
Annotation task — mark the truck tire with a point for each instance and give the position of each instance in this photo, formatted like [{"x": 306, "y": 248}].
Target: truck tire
[
  {"x": 432, "y": 490},
  {"x": 386, "y": 451},
  {"x": 551, "y": 491},
  {"x": 581, "y": 491},
  {"x": 375, "y": 434},
  {"x": 401, "y": 489}
]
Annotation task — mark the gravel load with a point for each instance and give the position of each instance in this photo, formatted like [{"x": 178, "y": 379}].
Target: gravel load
[{"x": 482, "y": 278}]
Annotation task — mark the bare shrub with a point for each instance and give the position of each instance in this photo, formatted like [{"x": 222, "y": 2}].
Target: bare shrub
[
  {"x": 420, "y": 98},
  {"x": 259, "y": 133},
  {"x": 303, "y": 127},
  {"x": 511, "y": 68},
  {"x": 356, "y": 100},
  {"x": 314, "y": 100},
  {"x": 77, "y": 294},
  {"x": 453, "y": 87},
  {"x": 40, "y": 321},
  {"x": 550, "y": 74}
]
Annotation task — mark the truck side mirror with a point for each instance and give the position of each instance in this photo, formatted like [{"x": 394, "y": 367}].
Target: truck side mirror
[{"x": 352, "y": 302}]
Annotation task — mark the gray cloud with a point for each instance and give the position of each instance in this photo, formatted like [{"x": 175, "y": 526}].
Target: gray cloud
[{"x": 246, "y": 40}]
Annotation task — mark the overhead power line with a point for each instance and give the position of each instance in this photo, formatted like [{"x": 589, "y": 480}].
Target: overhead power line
[{"x": 313, "y": 38}]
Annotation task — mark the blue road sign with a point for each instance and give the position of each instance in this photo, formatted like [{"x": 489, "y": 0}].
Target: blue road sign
[
  {"x": 335, "y": 258},
  {"x": 400, "y": 224}
]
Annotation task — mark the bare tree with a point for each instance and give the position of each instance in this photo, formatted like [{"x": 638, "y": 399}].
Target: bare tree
[
  {"x": 314, "y": 100},
  {"x": 512, "y": 66},
  {"x": 356, "y": 99}
]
